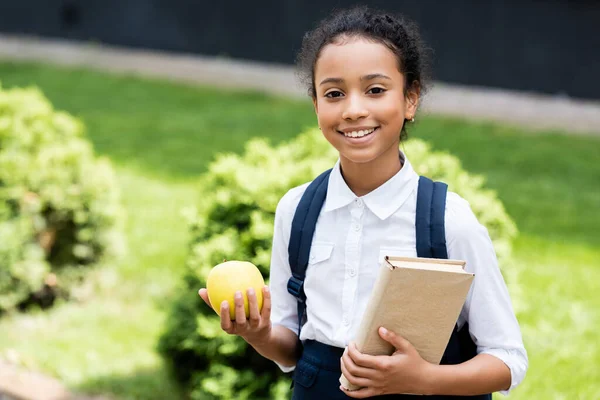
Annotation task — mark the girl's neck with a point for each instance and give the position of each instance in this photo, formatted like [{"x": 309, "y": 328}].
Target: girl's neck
[{"x": 364, "y": 178}]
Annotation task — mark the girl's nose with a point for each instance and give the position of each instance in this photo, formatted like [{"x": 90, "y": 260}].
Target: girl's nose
[{"x": 355, "y": 108}]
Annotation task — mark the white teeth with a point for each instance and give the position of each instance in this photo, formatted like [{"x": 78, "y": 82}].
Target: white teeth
[{"x": 358, "y": 133}]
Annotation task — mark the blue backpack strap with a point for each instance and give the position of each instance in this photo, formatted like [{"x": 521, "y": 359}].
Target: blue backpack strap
[
  {"x": 431, "y": 243},
  {"x": 303, "y": 228},
  {"x": 430, "y": 229},
  {"x": 429, "y": 222}
]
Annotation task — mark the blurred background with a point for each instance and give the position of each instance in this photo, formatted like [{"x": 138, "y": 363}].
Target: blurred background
[
  {"x": 131, "y": 136},
  {"x": 548, "y": 47}
]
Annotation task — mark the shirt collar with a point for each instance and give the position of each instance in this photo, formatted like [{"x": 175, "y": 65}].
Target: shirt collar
[{"x": 383, "y": 201}]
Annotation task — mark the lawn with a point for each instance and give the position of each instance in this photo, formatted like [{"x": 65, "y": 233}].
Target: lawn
[{"x": 161, "y": 136}]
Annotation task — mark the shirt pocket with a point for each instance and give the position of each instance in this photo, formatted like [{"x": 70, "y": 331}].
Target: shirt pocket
[
  {"x": 320, "y": 252},
  {"x": 400, "y": 251}
]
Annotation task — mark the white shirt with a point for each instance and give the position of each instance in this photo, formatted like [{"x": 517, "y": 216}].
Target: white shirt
[{"x": 352, "y": 236}]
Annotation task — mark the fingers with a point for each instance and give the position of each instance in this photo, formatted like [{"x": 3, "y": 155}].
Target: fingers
[
  {"x": 363, "y": 393},
  {"x": 204, "y": 295},
  {"x": 243, "y": 324},
  {"x": 226, "y": 323},
  {"x": 240, "y": 311},
  {"x": 357, "y": 370},
  {"x": 397, "y": 341},
  {"x": 362, "y": 360},
  {"x": 352, "y": 378},
  {"x": 254, "y": 319},
  {"x": 265, "y": 313}
]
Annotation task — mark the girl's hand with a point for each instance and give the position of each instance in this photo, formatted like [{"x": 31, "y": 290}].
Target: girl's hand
[
  {"x": 402, "y": 372},
  {"x": 255, "y": 329}
]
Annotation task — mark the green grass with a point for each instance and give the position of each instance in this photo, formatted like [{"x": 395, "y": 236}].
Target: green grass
[
  {"x": 158, "y": 127},
  {"x": 549, "y": 183},
  {"x": 161, "y": 136},
  {"x": 106, "y": 343}
]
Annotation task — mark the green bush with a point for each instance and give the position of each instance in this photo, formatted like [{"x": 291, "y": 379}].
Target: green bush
[
  {"x": 234, "y": 220},
  {"x": 59, "y": 204}
]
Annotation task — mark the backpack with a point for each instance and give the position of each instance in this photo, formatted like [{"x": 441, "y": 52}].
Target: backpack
[{"x": 430, "y": 241}]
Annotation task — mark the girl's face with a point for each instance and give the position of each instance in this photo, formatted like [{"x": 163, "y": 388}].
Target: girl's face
[{"x": 360, "y": 101}]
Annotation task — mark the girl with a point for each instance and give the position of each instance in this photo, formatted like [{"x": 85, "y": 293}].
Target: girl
[{"x": 365, "y": 75}]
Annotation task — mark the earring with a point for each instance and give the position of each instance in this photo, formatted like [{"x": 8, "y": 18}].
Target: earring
[{"x": 412, "y": 119}]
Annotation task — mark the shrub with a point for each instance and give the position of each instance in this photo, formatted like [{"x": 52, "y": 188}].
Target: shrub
[
  {"x": 59, "y": 208},
  {"x": 234, "y": 220}
]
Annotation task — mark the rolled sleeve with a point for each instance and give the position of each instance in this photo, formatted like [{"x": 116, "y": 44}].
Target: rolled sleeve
[
  {"x": 493, "y": 325},
  {"x": 515, "y": 359}
]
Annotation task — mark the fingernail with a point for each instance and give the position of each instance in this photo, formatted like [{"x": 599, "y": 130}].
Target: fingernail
[
  {"x": 251, "y": 292},
  {"x": 266, "y": 289},
  {"x": 224, "y": 304},
  {"x": 384, "y": 331},
  {"x": 238, "y": 295}
]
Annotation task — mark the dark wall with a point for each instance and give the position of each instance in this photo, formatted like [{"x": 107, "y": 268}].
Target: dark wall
[{"x": 547, "y": 46}]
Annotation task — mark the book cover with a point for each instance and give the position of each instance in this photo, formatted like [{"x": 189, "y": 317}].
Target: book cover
[{"x": 420, "y": 299}]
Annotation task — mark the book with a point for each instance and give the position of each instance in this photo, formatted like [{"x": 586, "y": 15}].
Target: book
[{"x": 419, "y": 299}]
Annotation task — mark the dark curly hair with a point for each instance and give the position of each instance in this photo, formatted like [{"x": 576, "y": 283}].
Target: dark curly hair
[{"x": 396, "y": 32}]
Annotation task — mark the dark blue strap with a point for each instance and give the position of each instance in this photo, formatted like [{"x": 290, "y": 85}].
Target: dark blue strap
[
  {"x": 303, "y": 228},
  {"x": 423, "y": 218},
  {"x": 438, "y": 226},
  {"x": 430, "y": 230},
  {"x": 429, "y": 220}
]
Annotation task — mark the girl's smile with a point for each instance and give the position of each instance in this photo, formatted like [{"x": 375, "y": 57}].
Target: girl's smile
[
  {"x": 360, "y": 100},
  {"x": 361, "y": 105},
  {"x": 359, "y": 135}
]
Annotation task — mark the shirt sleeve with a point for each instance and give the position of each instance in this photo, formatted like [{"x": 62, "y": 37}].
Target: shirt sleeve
[
  {"x": 493, "y": 325},
  {"x": 283, "y": 304}
]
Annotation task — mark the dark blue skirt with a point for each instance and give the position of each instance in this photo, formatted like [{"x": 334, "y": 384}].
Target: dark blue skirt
[
  {"x": 318, "y": 371},
  {"x": 317, "y": 374}
]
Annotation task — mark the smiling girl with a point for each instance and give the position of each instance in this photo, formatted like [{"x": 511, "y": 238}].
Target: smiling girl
[{"x": 364, "y": 72}]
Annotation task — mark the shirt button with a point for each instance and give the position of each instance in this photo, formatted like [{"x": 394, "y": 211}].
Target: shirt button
[
  {"x": 356, "y": 227},
  {"x": 359, "y": 202},
  {"x": 312, "y": 258},
  {"x": 352, "y": 272},
  {"x": 346, "y": 321}
]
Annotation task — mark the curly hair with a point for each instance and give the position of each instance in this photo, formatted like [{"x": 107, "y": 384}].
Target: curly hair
[{"x": 396, "y": 32}]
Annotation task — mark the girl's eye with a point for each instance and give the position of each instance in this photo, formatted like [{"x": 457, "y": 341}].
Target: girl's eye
[
  {"x": 376, "y": 90},
  {"x": 334, "y": 94}
]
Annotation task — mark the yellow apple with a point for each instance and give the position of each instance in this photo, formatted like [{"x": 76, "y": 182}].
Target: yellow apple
[{"x": 229, "y": 277}]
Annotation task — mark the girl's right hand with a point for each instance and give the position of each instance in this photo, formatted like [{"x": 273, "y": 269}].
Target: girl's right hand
[{"x": 256, "y": 328}]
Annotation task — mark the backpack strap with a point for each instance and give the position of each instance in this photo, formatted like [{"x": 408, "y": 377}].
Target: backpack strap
[
  {"x": 303, "y": 228},
  {"x": 430, "y": 230},
  {"x": 429, "y": 222}
]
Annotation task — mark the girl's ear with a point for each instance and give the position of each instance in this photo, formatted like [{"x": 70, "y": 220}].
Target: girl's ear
[
  {"x": 412, "y": 98},
  {"x": 314, "y": 99}
]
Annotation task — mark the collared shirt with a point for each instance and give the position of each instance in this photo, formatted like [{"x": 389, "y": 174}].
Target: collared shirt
[{"x": 352, "y": 236}]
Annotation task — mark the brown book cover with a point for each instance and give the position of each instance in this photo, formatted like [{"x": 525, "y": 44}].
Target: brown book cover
[{"x": 420, "y": 299}]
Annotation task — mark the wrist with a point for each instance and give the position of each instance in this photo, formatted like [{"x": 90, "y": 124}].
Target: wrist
[{"x": 429, "y": 378}]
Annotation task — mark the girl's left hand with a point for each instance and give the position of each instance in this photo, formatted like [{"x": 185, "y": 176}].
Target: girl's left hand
[{"x": 402, "y": 372}]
